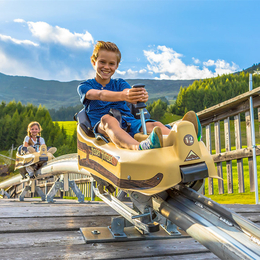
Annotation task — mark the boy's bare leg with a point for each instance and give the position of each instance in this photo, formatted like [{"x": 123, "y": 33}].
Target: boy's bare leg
[
  {"x": 151, "y": 125},
  {"x": 110, "y": 126}
]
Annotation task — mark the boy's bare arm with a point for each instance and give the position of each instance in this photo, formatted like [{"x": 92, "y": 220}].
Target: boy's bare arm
[{"x": 131, "y": 95}]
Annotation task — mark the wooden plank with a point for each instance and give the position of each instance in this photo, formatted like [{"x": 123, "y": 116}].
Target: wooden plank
[
  {"x": 243, "y": 208},
  {"x": 228, "y": 149},
  {"x": 198, "y": 256},
  {"x": 16, "y": 241},
  {"x": 67, "y": 243},
  {"x": 44, "y": 210},
  {"x": 234, "y": 155},
  {"x": 258, "y": 116},
  {"x": 218, "y": 150},
  {"x": 229, "y": 107},
  {"x": 249, "y": 144},
  {"x": 252, "y": 217},
  {"x": 238, "y": 142},
  {"x": 22, "y": 225},
  {"x": 114, "y": 250},
  {"x": 208, "y": 144}
]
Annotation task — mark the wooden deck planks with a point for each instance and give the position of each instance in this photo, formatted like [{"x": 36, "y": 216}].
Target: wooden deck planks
[
  {"x": 37, "y": 230},
  {"x": 115, "y": 250}
]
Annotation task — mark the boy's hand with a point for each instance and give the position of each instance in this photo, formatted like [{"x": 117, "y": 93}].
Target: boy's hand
[{"x": 134, "y": 95}]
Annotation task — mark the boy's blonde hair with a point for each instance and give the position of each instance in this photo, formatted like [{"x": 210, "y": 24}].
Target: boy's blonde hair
[
  {"x": 32, "y": 124},
  {"x": 109, "y": 46}
]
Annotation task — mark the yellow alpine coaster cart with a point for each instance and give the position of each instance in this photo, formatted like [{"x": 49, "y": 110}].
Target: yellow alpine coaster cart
[
  {"x": 29, "y": 163},
  {"x": 182, "y": 159}
]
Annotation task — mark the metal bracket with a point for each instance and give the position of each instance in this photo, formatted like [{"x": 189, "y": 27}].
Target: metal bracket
[
  {"x": 117, "y": 227},
  {"x": 4, "y": 193},
  {"x": 170, "y": 228},
  {"x": 59, "y": 185},
  {"x": 31, "y": 187},
  {"x": 127, "y": 212}
]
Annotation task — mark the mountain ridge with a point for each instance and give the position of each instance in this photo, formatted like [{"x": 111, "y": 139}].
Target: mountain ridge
[{"x": 54, "y": 94}]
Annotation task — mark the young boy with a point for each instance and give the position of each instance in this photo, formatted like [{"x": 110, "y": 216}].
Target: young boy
[{"x": 100, "y": 94}]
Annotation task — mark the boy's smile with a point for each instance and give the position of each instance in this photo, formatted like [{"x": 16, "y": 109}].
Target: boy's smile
[{"x": 105, "y": 66}]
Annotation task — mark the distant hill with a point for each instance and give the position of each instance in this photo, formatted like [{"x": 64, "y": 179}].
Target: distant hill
[
  {"x": 252, "y": 69},
  {"x": 54, "y": 94}
]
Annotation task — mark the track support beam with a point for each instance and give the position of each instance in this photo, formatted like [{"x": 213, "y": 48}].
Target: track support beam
[
  {"x": 31, "y": 187},
  {"x": 64, "y": 184}
]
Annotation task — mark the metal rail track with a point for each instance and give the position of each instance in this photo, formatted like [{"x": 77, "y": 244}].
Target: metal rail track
[
  {"x": 60, "y": 165},
  {"x": 223, "y": 232}
]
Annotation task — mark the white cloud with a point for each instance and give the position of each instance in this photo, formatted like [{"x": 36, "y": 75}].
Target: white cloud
[
  {"x": 167, "y": 64},
  {"x": 196, "y": 61},
  {"x": 209, "y": 63},
  {"x": 142, "y": 71},
  {"x": 132, "y": 74},
  {"x": 57, "y": 53},
  {"x": 57, "y": 35},
  {"x": 53, "y": 55},
  {"x": 6, "y": 38},
  {"x": 19, "y": 21}
]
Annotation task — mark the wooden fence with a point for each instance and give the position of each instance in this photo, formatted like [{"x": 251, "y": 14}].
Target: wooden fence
[
  {"x": 211, "y": 118},
  {"x": 81, "y": 180}
]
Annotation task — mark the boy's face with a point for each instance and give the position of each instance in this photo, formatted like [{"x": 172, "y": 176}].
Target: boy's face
[{"x": 105, "y": 66}]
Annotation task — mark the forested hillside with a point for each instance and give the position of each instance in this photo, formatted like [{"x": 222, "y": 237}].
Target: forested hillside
[
  {"x": 205, "y": 93},
  {"x": 14, "y": 119}
]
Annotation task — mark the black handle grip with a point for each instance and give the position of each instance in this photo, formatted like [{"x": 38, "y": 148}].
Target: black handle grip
[
  {"x": 38, "y": 139},
  {"x": 139, "y": 105},
  {"x": 138, "y": 86}
]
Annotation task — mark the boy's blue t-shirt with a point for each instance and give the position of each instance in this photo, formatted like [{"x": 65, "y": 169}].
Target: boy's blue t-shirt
[{"x": 97, "y": 108}]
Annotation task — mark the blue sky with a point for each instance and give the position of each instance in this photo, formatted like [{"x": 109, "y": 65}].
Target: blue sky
[{"x": 158, "y": 39}]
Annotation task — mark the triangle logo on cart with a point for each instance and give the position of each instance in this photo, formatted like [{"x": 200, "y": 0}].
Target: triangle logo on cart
[{"x": 192, "y": 156}]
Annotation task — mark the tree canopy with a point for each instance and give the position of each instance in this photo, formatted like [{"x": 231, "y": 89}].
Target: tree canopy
[
  {"x": 205, "y": 93},
  {"x": 14, "y": 119}
]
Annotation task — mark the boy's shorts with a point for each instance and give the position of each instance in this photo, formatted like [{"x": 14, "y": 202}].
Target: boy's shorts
[{"x": 135, "y": 126}]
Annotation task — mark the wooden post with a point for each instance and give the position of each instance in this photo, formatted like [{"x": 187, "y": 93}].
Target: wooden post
[
  {"x": 258, "y": 114},
  {"x": 249, "y": 144},
  {"x": 66, "y": 182},
  {"x": 240, "y": 170},
  {"x": 228, "y": 148},
  {"x": 218, "y": 150},
  {"x": 208, "y": 144}
]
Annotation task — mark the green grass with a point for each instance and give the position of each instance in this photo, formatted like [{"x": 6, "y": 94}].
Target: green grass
[
  {"x": 69, "y": 126},
  {"x": 168, "y": 118},
  {"x": 237, "y": 198},
  {"x": 86, "y": 198}
]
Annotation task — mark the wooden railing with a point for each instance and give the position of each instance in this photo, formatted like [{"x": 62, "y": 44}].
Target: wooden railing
[{"x": 234, "y": 108}]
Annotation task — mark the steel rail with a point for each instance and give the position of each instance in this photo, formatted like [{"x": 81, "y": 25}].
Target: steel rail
[
  {"x": 60, "y": 165},
  {"x": 226, "y": 238}
]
